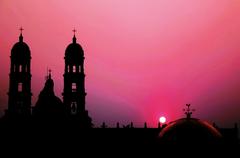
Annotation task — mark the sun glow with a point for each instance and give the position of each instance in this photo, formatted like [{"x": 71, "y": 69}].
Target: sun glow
[{"x": 162, "y": 119}]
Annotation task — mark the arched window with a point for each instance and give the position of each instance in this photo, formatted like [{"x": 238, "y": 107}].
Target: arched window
[
  {"x": 79, "y": 67},
  {"x": 74, "y": 87},
  {"x": 14, "y": 68},
  {"x": 20, "y": 68},
  {"x": 68, "y": 68},
  {"x": 73, "y": 108},
  {"x": 74, "y": 68},
  {"x": 20, "y": 87}
]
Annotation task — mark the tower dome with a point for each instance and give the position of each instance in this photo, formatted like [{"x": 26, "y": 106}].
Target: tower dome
[
  {"x": 49, "y": 106},
  {"x": 74, "y": 52},
  {"x": 20, "y": 51}
]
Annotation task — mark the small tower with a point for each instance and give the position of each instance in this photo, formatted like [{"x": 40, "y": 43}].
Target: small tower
[
  {"x": 19, "y": 95},
  {"x": 74, "y": 94}
]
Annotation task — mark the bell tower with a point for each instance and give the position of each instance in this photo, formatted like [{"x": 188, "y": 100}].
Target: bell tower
[
  {"x": 74, "y": 94},
  {"x": 19, "y": 95}
]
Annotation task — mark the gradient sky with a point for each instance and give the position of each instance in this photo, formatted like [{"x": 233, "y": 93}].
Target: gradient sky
[{"x": 144, "y": 58}]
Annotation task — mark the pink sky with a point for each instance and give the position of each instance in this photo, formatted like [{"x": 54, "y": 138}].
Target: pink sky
[{"x": 144, "y": 58}]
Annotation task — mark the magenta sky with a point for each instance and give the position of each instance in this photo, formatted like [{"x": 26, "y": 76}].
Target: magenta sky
[{"x": 144, "y": 58}]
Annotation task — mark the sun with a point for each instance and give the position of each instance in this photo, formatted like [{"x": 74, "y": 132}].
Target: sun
[{"x": 162, "y": 119}]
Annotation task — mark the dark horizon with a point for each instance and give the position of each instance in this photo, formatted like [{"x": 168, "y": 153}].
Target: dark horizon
[{"x": 143, "y": 60}]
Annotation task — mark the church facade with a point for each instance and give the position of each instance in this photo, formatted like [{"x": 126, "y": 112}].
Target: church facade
[
  {"x": 48, "y": 105},
  {"x": 51, "y": 110}
]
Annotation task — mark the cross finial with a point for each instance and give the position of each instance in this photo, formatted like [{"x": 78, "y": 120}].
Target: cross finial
[
  {"x": 21, "y": 29},
  {"x": 21, "y": 37},
  {"x": 188, "y": 111},
  {"x": 49, "y": 71},
  {"x": 74, "y": 37},
  {"x": 74, "y": 31}
]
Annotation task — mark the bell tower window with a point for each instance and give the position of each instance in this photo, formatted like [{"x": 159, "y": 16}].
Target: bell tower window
[
  {"x": 20, "y": 68},
  {"x": 74, "y": 108},
  {"x": 74, "y": 69},
  {"x": 68, "y": 68},
  {"x": 74, "y": 87},
  {"x": 20, "y": 87},
  {"x": 79, "y": 68}
]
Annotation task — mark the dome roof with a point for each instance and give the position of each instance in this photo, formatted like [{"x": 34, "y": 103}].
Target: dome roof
[
  {"x": 74, "y": 50},
  {"x": 20, "y": 50},
  {"x": 48, "y": 105},
  {"x": 189, "y": 130}
]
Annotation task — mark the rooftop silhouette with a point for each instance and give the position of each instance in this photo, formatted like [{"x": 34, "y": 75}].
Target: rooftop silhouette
[{"x": 71, "y": 114}]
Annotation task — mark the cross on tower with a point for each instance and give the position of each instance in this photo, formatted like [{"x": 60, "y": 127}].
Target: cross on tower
[
  {"x": 21, "y": 29},
  {"x": 188, "y": 111},
  {"x": 49, "y": 71},
  {"x": 74, "y": 31}
]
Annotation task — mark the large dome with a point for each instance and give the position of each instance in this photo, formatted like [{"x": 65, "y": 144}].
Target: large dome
[
  {"x": 48, "y": 105},
  {"x": 189, "y": 130}
]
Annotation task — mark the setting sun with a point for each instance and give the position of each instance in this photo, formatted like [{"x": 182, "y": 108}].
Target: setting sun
[{"x": 162, "y": 119}]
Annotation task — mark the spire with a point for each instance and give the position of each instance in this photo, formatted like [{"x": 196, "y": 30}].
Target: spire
[
  {"x": 21, "y": 36},
  {"x": 49, "y": 82},
  {"x": 49, "y": 74},
  {"x": 74, "y": 37}
]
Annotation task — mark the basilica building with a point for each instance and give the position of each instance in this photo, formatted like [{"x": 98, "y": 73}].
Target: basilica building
[{"x": 48, "y": 106}]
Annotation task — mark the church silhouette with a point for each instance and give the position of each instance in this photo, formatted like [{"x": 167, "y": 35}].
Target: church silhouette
[
  {"x": 48, "y": 107},
  {"x": 71, "y": 116}
]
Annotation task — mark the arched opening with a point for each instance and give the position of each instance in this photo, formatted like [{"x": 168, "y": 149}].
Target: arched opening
[
  {"x": 68, "y": 68},
  {"x": 79, "y": 68},
  {"x": 20, "y": 68},
  {"x": 74, "y": 87},
  {"x": 74, "y": 69},
  {"x": 20, "y": 87},
  {"x": 74, "y": 108}
]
